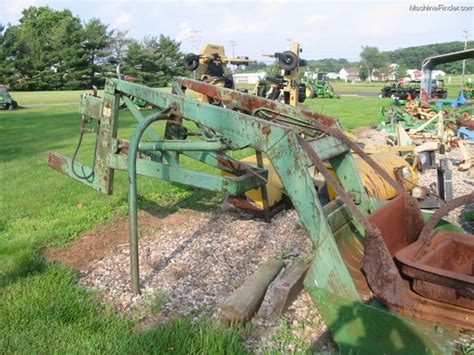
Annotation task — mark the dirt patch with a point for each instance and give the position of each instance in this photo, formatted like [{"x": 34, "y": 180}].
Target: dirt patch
[
  {"x": 190, "y": 262},
  {"x": 108, "y": 239}
]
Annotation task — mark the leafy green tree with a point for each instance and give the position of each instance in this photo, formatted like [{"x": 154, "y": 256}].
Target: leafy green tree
[
  {"x": 97, "y": 43},
  {"x": 413, "y": 56},
  {"x": 251, "y": 68},
  {"x": 6, "y": 66},
  {"x": 329, "y": 65},
  {"x": 69, "y": 56},
  {"x": 154, "y": 61},
  {"x": 44, "y": 49},
  {"x": 372, "y": 59},
  {"x": 170, "y": 61},
  {"x": 133, "y": 60},
  {"x": 273, "y": 70},
  {"x": 401, "y": 70},
  {"x": 119, "y": 46}
]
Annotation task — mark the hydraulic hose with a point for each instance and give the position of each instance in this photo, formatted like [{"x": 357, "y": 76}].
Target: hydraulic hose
[{"x": 78, "y": 147}]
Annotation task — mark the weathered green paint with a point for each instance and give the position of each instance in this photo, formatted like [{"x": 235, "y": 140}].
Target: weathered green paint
[
  {"x": 107, "y": 135},
  {"x": 344, "y": 165},
  {"x": 233, "y": 185},
  {"x": 63, "y": 164},
  {"x": 132, "y": 196},
  {"x": 331, "y": 272},
  {"x": 366, "y": 329},
  {"x": 150, "y": 132},
  {"x": 240, "y": 130},
  {"x": 91, "y": 106},
  {"x": 356, "y": 326},
  {"x": 328, "y": 147},
  {"x": 175, "y": 145}
]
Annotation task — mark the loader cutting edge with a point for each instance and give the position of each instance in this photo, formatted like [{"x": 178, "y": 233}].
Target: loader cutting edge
[{"x": 359, "y": 286}]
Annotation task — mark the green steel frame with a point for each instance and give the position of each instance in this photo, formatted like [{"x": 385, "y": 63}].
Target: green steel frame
[{"x": 272, "y": 129}]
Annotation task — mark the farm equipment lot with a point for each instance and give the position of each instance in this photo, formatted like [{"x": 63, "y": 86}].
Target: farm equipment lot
[{"x": 37, "y": 220}]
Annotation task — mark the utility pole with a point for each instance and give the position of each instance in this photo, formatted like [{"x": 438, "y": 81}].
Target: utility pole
[
  {"x": 466, "y": 34},
  {"x": 194, "y": 39},
  {"x": 233, "y": 44}
]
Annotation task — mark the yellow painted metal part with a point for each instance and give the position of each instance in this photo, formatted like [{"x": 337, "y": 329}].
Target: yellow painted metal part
[
  {"x": 292, "y": 78},
  {"x": 375, "y": 185},
  {"x": 274, "y": 187}
]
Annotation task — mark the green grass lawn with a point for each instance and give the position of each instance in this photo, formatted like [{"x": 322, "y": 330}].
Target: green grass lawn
[
  {"x": 42, "y": 308},
  {"x": 352, "y": 112},
  {"x": 27, "y": 98}
]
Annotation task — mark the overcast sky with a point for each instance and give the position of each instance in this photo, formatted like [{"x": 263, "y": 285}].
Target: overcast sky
[{"x": 324, "y": 29}]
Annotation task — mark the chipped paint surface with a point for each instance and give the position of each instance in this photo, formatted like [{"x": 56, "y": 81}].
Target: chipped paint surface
[{"x": 350, "y": 240}]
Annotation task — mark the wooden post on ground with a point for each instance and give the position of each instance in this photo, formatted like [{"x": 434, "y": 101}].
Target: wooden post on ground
[
  {"x": 244, "y": 302},
  {"x": 283, "y": 291}
]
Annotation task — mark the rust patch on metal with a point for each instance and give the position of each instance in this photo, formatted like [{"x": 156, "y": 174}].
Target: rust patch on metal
[
  {"x": 56, "y": 161},
  {"x": 123, "y": 146},
  {"x": 382, "y": 274},
  {"x": 399, "y": 222},
  {"x": 242, "y": 202},
  {"x": 438, "y": 312},
  {"x": 266, "y": 130},
  {"x": 443, "y": 211},
  {"x": 442, "y": 268},
  {"x": 230, "y": 165},
  {"x": 248, "y": 103}
]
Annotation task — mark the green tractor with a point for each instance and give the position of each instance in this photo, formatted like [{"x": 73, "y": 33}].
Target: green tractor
[
  {"x": 318, "y": 86},
  {"x": 6, "y": 100}
]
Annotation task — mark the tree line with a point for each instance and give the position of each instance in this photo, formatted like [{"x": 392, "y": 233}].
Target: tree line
[
  {"x": 411, "y": 57},
  {"x": 55, "y": 50}
]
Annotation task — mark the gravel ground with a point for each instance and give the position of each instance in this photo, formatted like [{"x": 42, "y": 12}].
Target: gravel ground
[{"x": 190, "y": 266}]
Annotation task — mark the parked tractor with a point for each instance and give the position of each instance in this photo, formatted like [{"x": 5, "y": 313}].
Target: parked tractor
[
  {"x": 438, "y": 91},
  {"x": 411, "y": 90},
  {"x": 405, "y": 91},
  {"x": 317, "y": 85},
  {"x": 6, "y": 100}
]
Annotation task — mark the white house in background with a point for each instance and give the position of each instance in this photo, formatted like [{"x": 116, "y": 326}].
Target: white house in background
[
  {"x": 377, "y": 75},
  {"x": 392, "y": 71},
  {"x": 248, "y": 78},
  {"x": 414, "y": 74},
  {"x": 349, "y": 74},
  {"x": 332, "y": 75}
]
